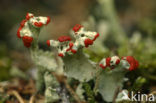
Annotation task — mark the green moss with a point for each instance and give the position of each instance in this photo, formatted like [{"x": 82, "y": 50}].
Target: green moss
[
  {"x": 89, "y": 93},
  {"x": 5, "y": 63}
]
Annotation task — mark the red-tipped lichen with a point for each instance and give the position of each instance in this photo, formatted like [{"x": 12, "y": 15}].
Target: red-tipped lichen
[
  {"x": 64, "y": 38},
  {"x": 27, "y": 41},
  {"x": 132, "y": 62},
  {"x": 77, "y": 27}
]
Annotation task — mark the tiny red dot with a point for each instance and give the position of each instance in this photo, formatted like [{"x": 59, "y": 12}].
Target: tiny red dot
[
  {"x": 38, "y": 24},
  {"x": 61, "y": 55},
  {"x": 118, "y": 61},
  {"x": 48, "y": 42},
  {"x": 88, "y": 42},
  {"x": 48, "y": 20},
  {"x": 73, "y": 51},
  {"x": 102, "y": 66}
]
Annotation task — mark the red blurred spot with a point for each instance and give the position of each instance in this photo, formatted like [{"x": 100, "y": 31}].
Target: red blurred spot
[
  {"x": 18, "y": 32},
  {"x": 61, "y": 55},
  {"x": 38, "y": 24},
  {"x": 27, "y": 41},
  {"x": 102, "y": 66},
  {"x": 70, "y": 46},
  {"x": 77, "y": 27},
  {"x": 28, "y": 17},
  {"x": 108, "y": 61},
  {"x": 73, "y": 51},
  {"x": 97, "y": 35},
  {"x": 48, "y": 20},
  {"x": 118, "y": 61},
  {"x": 88, "y": 42},
  {"x": 133, "y": 63},
  {"x": 23, "y": 22},
  {"x": 48, "y": 42},
  {"x": 64, "y": 38}
]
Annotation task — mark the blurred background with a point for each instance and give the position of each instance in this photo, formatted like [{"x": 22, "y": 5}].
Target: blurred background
[{"x": 126, "y": 27}]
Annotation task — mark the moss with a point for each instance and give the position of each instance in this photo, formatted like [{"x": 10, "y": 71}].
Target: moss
[
  {"x": 89, "y": 93},
  {"x": 5, "y": 63}
]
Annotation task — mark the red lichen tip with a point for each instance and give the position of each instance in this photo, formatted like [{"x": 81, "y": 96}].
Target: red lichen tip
[
  {"x": 77, "y": 27},
  {"x": 48, "y": 20},
  {"x": 48, "y": 42},
  {"x": 18, "y": 32},
  {"x": 38, "y": 24},
  {"x": 108, "y": 61},
  {"x": 102, "y": 66},
  {"x": 23, "y": 22},
  {"x": 27, "y": 41},
  {"x": 133, "y": 63},
  {"x": 61, "y": 55},
  {"x": 88, "y": 42},
  {"x": 28, "y": 16},
  {"x": 70, "y": 46},
  {"x": 73, "y": 51},
  {"x": 97, "y": 35},
  {"x": 117, "y": 61},
  {"x": 64, "y": 38}
]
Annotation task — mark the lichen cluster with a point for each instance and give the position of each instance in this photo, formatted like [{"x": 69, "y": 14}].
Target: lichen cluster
[{"x": 76, "y": 65}]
